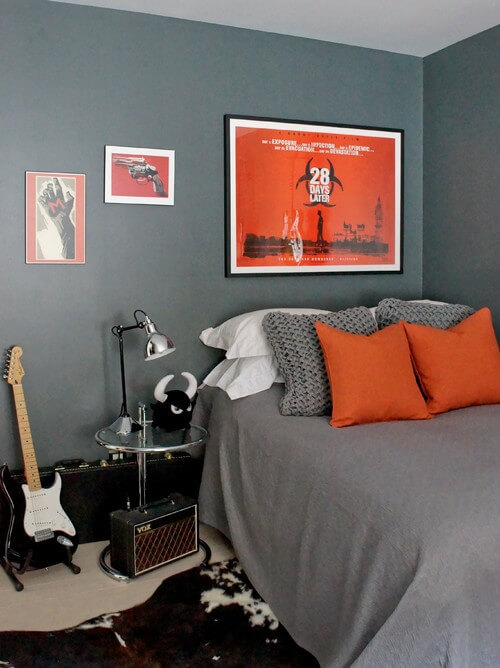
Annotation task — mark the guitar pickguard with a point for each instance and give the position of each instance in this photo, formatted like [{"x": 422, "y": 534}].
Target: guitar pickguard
[{"x": 44, "y": 514}]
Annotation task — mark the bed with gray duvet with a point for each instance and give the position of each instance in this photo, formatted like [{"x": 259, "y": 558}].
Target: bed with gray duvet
[{"x": 375, "y": 545}]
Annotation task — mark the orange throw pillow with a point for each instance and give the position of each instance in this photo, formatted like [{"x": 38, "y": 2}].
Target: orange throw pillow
[
  {"x": 457, "y": 367},
  {"x": 371, "y": 377}
]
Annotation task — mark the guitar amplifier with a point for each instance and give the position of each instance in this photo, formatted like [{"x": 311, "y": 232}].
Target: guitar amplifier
[{"x": 153, "y": 535}]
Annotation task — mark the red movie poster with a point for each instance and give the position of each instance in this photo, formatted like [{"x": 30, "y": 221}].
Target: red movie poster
[{"x": 305, "y": 198}]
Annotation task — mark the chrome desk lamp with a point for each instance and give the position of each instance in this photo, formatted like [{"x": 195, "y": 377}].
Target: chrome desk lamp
[{"x": 157, "y": 345}]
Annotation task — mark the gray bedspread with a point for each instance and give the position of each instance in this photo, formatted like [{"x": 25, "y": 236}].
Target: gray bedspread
[{"x": 376, "y": 545}]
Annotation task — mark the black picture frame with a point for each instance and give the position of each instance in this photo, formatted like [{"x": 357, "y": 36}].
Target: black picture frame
[{"x": 272, "y": 165}]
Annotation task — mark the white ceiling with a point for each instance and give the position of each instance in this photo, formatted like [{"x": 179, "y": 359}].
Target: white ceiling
[{"x": 415, "y": 27}]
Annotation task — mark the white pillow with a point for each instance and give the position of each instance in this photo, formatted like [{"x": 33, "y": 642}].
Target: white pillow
[
  {"x": 244, "y": 376},
  {"x": 243, "y": 336}
]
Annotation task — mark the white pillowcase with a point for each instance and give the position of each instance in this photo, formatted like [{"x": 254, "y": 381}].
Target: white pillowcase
[
  {"x": 243, "y": 336},
  {"x": 250, "y": 365},
  {"x": 244, "y": 376}
]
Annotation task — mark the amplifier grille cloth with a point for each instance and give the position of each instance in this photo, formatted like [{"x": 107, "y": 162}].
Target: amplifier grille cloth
[{"x": 167, "y": 542}]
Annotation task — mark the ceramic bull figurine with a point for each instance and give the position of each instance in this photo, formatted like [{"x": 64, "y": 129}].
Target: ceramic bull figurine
[{"x": 173, "y": 409}]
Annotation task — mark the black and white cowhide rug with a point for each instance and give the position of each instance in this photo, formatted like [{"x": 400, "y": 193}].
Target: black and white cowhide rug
[{"x": 203, "y": 617}]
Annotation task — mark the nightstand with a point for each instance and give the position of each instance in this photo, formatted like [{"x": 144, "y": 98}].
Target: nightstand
[
  {"x": 146, "y": 441},
  {"x": 151, "y": 440}
]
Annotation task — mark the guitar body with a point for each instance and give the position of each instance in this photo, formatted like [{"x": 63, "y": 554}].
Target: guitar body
[{"x": 34, "y": 529}]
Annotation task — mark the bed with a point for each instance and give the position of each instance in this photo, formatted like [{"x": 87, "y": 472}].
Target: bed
[{"x": 377, "y": 545}]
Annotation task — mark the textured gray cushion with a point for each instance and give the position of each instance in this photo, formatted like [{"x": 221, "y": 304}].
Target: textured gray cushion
[
  {"x": 391, "y": 311},
  {"x": 300, "y": 358}
]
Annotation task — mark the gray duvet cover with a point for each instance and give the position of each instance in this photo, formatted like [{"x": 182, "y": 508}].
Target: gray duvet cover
[{"x": 376, "y": 545}]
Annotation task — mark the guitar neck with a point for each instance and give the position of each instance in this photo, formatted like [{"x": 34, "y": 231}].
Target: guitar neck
[{"x": 30, "y": 465}]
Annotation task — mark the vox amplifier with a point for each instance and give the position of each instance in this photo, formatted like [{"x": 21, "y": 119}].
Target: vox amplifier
[{"x": 153, "y": 535}]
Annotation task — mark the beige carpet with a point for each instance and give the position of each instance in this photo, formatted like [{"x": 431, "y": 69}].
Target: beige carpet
[{"x": 54, "y": 598}]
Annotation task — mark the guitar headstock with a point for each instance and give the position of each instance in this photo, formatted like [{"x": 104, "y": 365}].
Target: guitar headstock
[{"x": 14, "y": 371}]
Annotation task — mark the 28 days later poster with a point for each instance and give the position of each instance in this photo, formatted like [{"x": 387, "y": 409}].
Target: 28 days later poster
[{"x": 312, "y": 198}]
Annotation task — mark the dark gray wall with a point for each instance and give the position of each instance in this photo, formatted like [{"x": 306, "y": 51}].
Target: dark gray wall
[
  {"x": 462, "y": 172},
  {"x": 76, "y": 78}
]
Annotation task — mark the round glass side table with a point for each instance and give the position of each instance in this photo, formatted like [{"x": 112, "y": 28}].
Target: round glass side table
[{"x": 149, "y": 440}]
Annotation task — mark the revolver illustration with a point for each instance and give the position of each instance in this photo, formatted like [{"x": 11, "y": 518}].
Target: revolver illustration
[{"x": 142, "y": 172}]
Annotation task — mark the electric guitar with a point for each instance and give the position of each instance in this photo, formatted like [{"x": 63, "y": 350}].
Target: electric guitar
[{"x": 35, "y": 532}]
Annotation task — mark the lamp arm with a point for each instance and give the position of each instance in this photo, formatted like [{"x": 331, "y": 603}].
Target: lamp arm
[
  {"x": 146, "y": 318},
  {"x": 118, "y": 330}
]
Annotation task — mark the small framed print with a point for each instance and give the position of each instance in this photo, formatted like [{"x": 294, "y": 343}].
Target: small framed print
[
  {"x": 55, "y": 218},
  {"x": 139, "y": 175},
  {"x": 311, "y": 198}
]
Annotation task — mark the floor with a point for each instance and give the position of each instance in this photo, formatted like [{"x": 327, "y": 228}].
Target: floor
[{"x": 54, "y": 598}]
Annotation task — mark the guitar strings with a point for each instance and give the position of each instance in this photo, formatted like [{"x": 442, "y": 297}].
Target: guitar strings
[{"x": 32, "y": 497}]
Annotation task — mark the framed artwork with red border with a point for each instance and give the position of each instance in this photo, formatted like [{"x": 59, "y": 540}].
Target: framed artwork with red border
[
  {"x": 55, "y": 218},
  {"x": 139, "y": 175},
  {"x": 312, "y": 198}
]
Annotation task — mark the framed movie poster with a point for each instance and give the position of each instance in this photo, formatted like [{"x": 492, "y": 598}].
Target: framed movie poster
[
  {"x": 55, "y": 218},
  {"x": 139, "y": 175},
  {"x": 310, "y": 198}
]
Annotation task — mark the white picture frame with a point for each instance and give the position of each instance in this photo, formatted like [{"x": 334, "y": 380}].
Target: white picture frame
[{"x": 139, "y": 175}]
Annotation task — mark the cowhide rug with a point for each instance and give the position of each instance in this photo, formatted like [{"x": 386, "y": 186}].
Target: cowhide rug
[{"x": 203, "y": 617}]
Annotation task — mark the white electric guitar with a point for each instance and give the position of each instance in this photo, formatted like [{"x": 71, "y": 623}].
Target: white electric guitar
[{"x": 35, "y": 531}]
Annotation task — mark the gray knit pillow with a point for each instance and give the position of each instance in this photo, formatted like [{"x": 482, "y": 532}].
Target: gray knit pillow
[
  {"x": 391, "y": 311},
  {"x": 300, "y": 358}
]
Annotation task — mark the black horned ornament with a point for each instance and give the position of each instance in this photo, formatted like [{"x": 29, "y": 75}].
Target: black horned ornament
[{"x": 173, "y": 409}]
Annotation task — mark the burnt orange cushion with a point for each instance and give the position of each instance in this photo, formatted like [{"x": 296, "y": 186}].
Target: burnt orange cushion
[
  {"x": 459, "y": 366},
  {"x": 371, "y": 377}
]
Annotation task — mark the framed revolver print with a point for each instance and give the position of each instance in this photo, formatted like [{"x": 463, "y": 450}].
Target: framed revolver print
[
  {"x": 312, "y": 198},
  {"x": 55, "y": 218},
  {"x": 139, "y": 175}
]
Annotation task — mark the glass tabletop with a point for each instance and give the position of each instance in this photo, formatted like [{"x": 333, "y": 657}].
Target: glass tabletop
[{"x": 151, "y": 439}]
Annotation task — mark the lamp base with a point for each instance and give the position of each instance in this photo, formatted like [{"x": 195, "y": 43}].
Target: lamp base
[{"x": 125, "y": 425}]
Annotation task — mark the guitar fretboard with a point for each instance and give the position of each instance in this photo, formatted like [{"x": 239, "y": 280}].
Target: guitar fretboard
[{"x": 30, "y": 465}]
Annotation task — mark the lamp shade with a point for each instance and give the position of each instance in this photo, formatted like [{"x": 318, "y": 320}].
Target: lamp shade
[{"x": 158, "y": 344}]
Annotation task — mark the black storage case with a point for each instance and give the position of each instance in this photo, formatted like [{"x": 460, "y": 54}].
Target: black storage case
[
  {"x": 91, "y": 491},
  {"x": 153, "y": 535}
]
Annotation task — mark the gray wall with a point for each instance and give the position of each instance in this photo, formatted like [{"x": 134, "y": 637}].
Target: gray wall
[
  {"x": 73, "y": 79},
  {"x": 462, "y": 172}
]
